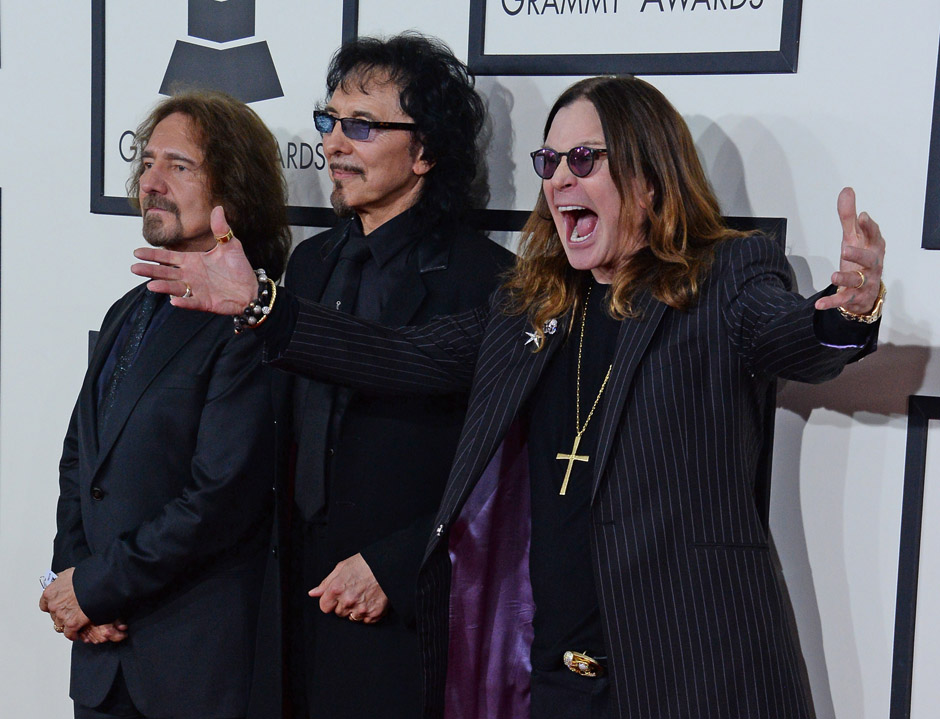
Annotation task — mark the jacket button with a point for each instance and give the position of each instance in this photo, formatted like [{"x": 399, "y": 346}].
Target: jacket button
[{"x": 97, "y": 493}]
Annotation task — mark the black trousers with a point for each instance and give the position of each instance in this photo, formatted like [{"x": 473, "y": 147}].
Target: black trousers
[
  {"x": 562, "y": 693},
  {"x": 339, "y": 668}
]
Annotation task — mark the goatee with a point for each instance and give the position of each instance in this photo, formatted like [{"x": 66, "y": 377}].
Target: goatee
[
  {"x": 155, "y": 229},
  {"x": 338, "y": 200}
]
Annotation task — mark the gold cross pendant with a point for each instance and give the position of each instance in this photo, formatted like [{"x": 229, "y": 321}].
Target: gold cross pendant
[{"x": 572, "y": 458}]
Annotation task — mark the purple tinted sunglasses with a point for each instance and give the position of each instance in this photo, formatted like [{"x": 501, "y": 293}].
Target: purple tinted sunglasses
[{"x": 580, "y": 160}]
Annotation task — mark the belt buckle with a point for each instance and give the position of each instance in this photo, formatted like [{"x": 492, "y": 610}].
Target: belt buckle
[{"x": 582, "y": 664}]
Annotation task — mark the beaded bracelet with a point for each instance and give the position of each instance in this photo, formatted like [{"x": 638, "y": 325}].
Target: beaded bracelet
[{"x": 259, "y": 308}]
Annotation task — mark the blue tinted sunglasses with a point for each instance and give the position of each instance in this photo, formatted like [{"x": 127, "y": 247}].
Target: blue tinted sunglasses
[{"x": 353, "y": 127}]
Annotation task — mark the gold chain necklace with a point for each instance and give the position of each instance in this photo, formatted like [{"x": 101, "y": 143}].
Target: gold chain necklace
[{"x": 578, "y": 428}]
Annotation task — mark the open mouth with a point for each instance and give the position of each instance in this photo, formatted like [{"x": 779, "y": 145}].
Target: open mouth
[{"x": 580, "y": 222}]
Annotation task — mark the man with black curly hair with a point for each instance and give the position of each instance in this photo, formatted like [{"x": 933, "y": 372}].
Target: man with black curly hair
[{"x": 400, "y": 130}]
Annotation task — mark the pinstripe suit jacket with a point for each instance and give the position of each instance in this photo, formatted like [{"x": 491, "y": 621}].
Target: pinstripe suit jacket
[{"x": 690, "y": 603}]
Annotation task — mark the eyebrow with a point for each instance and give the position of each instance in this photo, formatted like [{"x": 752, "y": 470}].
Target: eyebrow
[
  {"x": 170, "y": 155},
  {"x": 581, "y": 143},
  {"x": 358, "y": 114}
]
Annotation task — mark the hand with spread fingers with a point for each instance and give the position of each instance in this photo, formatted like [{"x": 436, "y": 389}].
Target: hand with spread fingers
[
  {"x": 220, "y": 281},
  {"x": 352, "y": 591},
  {"x": 860, "y": 263}
]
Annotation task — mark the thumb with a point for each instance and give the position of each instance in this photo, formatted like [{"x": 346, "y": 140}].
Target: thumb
[
  {"x": 847, "y": 213},
  {"x": 218, "y": 222}
]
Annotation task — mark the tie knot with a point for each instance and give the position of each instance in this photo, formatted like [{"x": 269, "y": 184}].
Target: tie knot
[{"x": 355, "y": 250}]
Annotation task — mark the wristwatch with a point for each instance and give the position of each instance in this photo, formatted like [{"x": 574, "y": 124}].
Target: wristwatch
[{"x": 872, "y": 316}]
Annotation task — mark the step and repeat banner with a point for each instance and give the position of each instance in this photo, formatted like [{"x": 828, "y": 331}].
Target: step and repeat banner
[
  {"x": 272, "y": 56},
  {"x": 588, "y": 37}
]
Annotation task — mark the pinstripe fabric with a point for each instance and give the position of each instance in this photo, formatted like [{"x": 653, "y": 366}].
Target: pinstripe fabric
[{"x": 691, "y": 608}]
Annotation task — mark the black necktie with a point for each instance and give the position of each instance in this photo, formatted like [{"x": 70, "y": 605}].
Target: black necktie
[
  {"x": 322, "y": 401},
  {"x": 343, "y": 287},
  {"x": 139, "y": 323}
]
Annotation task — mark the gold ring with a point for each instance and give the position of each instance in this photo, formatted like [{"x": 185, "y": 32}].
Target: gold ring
[
  {"x": 861, "y": 282},
  {"x": 58, "y": 628},
  {"x": 188, "y": 293},
  {"x": 222, "y": 239},
  {"x": 353, "y": 617}
]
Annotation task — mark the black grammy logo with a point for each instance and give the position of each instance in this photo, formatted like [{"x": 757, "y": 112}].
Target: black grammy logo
[{"x": 246, "y": 71}]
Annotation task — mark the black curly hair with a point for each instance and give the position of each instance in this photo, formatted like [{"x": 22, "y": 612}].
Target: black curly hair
[{"x": 437, "y": 92}]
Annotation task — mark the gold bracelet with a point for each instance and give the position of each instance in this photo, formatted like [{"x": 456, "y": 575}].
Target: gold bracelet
[{"x": 872, "y": 316}]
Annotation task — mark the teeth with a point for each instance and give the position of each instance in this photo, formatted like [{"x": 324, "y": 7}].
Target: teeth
[
  {"x": 570, "y": 208},
  {"x": 575, "y": 237}
]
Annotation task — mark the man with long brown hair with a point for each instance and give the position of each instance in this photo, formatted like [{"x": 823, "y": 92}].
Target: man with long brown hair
[
  {"x": 606, "y": 472},
  {"x": 165, "y": 479}
]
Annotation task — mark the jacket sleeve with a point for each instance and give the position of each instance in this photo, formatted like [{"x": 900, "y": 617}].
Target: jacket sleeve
[
  {"x": 70, "y": 546},
  {"x": 395, "y": 561},
  {"x": 436, "y": 358},
  {"x": 222, "y": 502},
  {"x": 778, "y": 332}
]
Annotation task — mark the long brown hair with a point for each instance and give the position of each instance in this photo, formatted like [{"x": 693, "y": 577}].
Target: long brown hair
[
  {"x": 243, "y": 167},
  {"x": 647, "y": 142}
]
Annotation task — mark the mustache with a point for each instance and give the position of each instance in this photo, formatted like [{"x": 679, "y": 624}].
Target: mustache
[
  {"x": 344, "y": 167},
  {"x": 155, "y": 202}
]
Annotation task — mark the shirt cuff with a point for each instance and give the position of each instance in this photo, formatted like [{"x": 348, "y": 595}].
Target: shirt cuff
[
  {"x": 834, "y": 330},
  {"x": 277, "y": 330}
]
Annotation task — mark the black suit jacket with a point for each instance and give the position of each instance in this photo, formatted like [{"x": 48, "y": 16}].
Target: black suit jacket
[
  {"x": 387, "y": 466},
  {"x": 165, "y": 519},
  {"x": 690, "y": 604}
]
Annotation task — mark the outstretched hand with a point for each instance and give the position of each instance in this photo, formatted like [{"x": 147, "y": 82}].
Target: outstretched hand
[
  {"x": 860, "y": 263},
  {"x": 220, "y": 281}
]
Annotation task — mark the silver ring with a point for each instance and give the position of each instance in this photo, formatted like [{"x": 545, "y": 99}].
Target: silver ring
[
  {"x": 188, "y": 293},
  {"x": 354, "y": 618}
]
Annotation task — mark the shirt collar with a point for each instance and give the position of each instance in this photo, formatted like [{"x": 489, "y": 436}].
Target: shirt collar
[{"x": 390, "y": 238}]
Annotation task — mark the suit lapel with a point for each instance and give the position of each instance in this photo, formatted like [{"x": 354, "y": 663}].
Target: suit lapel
[
  {"x": 497, "y": 403},
  {"x": 167, "y": 340},
  {"x": 632, "y": 342},
  {"x": 432, "y": 254},
  {"x": 318, "y": 276},
  {"x": 88, "y": 404},
  {"x": 311, "y": 285}
]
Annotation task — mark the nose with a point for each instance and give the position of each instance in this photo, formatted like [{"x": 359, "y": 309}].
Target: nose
[
  {"x": 336, "y": 142},
  {"x": 563, "y": 176},
  {"x": 153, "y": 180}
]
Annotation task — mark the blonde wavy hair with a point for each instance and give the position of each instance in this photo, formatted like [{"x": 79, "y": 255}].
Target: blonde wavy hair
[{"x": 647, "y": 142}]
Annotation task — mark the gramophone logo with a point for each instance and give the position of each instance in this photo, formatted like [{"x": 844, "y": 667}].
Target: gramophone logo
[{"x": 245, "y": 71}]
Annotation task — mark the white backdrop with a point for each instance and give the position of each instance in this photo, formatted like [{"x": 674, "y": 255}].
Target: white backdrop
[{"x": 858, "y": 112}]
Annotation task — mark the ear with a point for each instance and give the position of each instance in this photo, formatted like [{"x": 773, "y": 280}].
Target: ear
[
  {"x": 643, "y": 193},
  {"x": 420, "y": 166}
]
